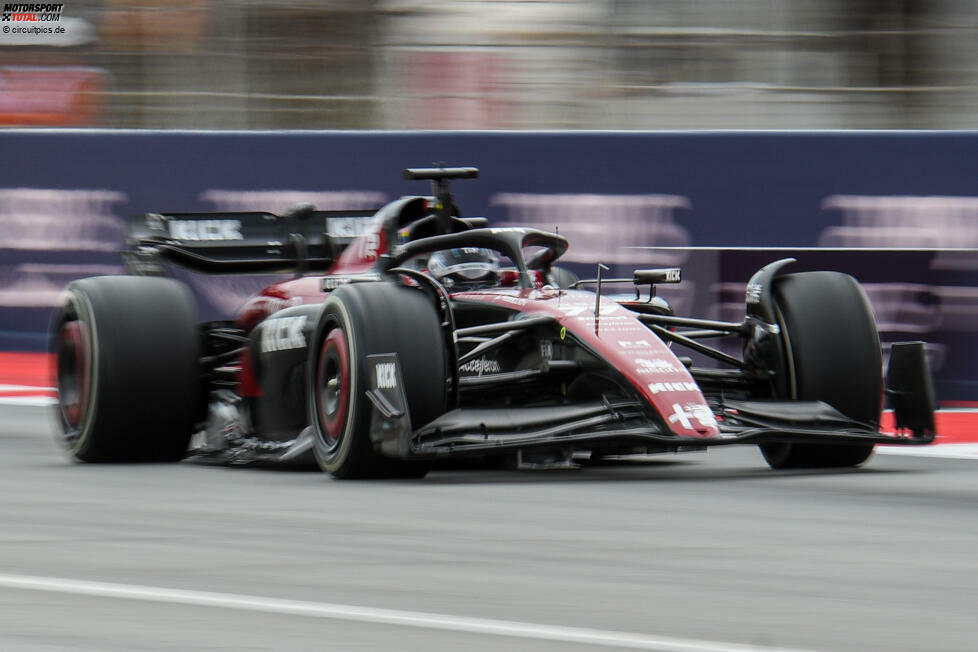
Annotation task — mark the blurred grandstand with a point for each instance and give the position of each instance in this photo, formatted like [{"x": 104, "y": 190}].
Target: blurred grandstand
[{"x": 498, "y": 64}]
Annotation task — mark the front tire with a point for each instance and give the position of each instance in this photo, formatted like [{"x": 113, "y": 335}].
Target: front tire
[
  {"x": 127, "y": 352},
  {"x": 833, "y": 354},
  {"x": 360, "y": 320}
]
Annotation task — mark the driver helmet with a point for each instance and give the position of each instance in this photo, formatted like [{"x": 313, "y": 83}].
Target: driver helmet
[{"x": 467, "y": 268}]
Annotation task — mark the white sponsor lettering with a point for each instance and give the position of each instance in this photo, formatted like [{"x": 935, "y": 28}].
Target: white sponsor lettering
[
  {"x": 205, "y": 229},
  {"x": 656, "y": 366},
  {"x": 369, "y": 243},
  {"x": 698, "y": 411},
  {"x": 283, "y": 333},
  {"x": 386, "y": 375},
  {"x": 547, "y": 350},
  {"x": 753, "y": 293},
  {"x": 332, "y": 282},
  {"x": 480, "y": 366},
  {"x": 635, "y": 344},
  {"x": 674, "y": 275},
  {"x": 346, "y": 227},
  {"x": 683, "y": 386},
  {"x": 513, "y": 300}
]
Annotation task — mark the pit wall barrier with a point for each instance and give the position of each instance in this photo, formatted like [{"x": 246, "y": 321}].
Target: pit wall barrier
[{"x": 63, "y": 194}]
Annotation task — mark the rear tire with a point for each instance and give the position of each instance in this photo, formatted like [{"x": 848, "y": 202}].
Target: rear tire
[
  {"x": 360, "y": 320},
  {"x": 833, "y": 355},
  {"x": 127, "y": 352}
]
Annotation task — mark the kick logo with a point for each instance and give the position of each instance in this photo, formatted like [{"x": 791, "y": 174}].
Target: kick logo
[{"x": 386, "y": 375}]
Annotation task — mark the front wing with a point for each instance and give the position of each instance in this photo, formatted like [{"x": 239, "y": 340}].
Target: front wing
[{"x": 482, "y": 431}]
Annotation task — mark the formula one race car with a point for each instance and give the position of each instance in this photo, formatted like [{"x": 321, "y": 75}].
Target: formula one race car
[{"x": 413, "y": 335}]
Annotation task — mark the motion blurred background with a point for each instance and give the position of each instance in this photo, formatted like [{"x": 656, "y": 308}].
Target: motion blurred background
[
  {"x": 555, "y": 72},
  {"x": 499, "y": 64}
]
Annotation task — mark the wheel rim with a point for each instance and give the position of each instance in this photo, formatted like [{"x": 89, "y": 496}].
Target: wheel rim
[
  {"x": 74, "y": 375},
  {"x": 333, "y": 387}
]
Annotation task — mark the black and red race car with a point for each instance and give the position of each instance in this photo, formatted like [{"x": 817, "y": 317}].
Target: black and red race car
[{"x": 411, "y": 335}]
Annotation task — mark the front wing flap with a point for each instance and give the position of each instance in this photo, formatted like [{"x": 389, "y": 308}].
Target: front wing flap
[{"x": 483, "y": 431}]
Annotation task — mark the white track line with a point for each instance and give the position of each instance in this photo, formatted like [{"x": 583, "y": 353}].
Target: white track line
[
  {"x": 26, "y": 388},
  {"x": 953, "y": 451},
  {"x": 27, "y": 395},
  {"x": 417, "y": 619},
  {"x": 27, "y": 400}
]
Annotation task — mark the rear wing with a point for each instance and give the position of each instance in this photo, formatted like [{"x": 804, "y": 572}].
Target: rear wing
[{"x": 241, "y": 243}]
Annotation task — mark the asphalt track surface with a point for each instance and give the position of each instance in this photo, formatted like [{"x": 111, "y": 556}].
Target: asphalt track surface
[{"x": 703, "y": 551}]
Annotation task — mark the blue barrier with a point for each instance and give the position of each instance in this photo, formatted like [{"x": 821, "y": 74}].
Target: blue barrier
[{"x": 63, "y": 192}]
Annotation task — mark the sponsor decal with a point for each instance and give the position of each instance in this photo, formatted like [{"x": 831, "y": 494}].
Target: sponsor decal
[
  {"x": 346, "y": 227},
  {"x": 681, "y": 386},
  {"x": 480, "y": 366},
  {"x": 283, "y": 334},
  {"x": 274, "y": 304},
  {"x": 674, "y": 275},
  {"x": 513, "y": 300},
  {"x": 587, "y": 309},
  {"x": 546, "y": 350},
  {"x": 635, "y": 344},
  {"x": 563, "y": 333},
  {"x": 332, "y": 282},
  {"x": 753, "y": 294},
  {"x": 656, "y": 366},
  {"x": 686, "y": 414},
  {"x": 205, "y": 229},
  {"x": 386, "y": 375},
  {"x": 368, "y": 246}
]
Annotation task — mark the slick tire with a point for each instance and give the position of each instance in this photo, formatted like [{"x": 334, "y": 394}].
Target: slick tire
[
  {"x": 360, "y": 320},
  {"x": 833, "y": 354},
  {"x": 127, "y": 350}
]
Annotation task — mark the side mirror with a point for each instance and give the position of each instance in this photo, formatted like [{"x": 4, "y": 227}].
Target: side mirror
[{"x": 668, "y": 275}]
